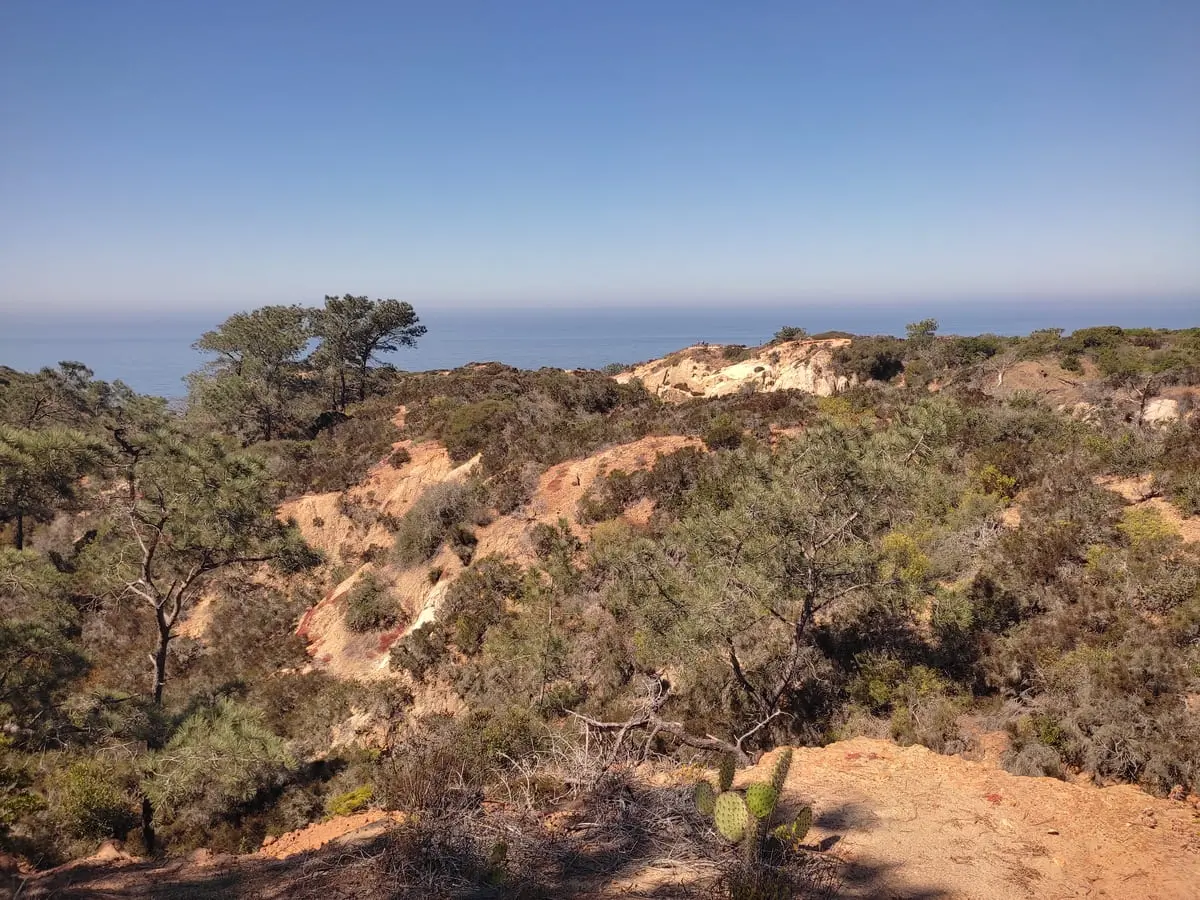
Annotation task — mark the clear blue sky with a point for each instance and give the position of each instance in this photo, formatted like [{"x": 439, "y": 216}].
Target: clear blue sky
[{"x": 223, "y": 154}]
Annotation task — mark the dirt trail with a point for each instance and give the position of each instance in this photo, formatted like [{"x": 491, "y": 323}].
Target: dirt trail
[
  {"x": 911, "y": 823},
  {"x": 356, "y": 827}
]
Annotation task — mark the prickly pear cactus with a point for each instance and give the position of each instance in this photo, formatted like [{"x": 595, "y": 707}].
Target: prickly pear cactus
[
  {"x": 782, "y": 763},
  {"x": 705, "y": 797},
  {"x": 725, "y": 773},
  {"x": 803, "y": 822},
  {"x": 794, "y": 832},
  {"x": 731, "y": 816},
  {"x": 761, "y": 799}
]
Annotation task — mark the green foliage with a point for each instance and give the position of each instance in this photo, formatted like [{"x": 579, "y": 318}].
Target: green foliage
[
  {"x": 790, "y": 333},
  {"x": 353, "y": 331},
  {"x": 1145, "y": 529},
  {"x": 350, "y": 802},
  {"x": 792, "y": 834},
  {"x": 369, "y": 606},
  {"x": 40, "y": 473},
  {"x": 217, "y": 761},
  {"x": 478, "y": 600},
  {"x": 783, "y": 763},
  {"x": 92, "y": 801},
  {"x": 251, "y": 387},
  {"x": 473, "y": 426},
  {"x": 723, "y": 433},
  {"x": 420, "y": 651},
  {"x": 921, "y": 334},
  {"x": 872, "y": 358},
  {"x": 16, "y": 799},
  {"x": 993, "y": 481},
  {"x": 735, "y": 353}
]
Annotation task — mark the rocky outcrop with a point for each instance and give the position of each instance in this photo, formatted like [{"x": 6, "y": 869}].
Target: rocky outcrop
[{"x": 709, "y": 370}]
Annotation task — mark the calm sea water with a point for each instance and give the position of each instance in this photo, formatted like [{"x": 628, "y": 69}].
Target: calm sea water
[{"x": 153, "y": 354}]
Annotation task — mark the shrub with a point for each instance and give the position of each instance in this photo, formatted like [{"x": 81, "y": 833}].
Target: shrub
[
  {"x": 218, "y": 760},
  {"x": 472, "y": 426},
  {"x": 350, "y": 802},
  {"x": 993, "y": 481},
  {"x": 93, "y": 803},
  {"x": 419, "y": 651},
  {"x": 789, "y": 333},
  {"x": 735, "y": 353},
  {"x": 436, "y": 516},
  {"x": 478, "y": 599},
  {"x": 369, "y": 607},
  {"x": 723, "y": 433},
  {"x": 1145, "y": 528},
  {"x": 872, "y": 358}
]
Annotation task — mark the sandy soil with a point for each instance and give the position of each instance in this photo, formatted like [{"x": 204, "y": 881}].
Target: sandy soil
[{"x": 704, "y": 371}]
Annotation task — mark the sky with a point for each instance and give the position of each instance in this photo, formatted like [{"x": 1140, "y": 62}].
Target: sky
[{"x": 191, "y": 156}]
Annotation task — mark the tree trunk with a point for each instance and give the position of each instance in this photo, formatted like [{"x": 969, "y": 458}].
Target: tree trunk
[
  {"x": 160, "y": 659},
  {"x": 20, "y": 531},
  {"x": 362, "y": 381},
  {"x": 154, "y": 741}
]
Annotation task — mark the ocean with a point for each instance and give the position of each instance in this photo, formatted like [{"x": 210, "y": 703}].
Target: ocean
[{"x": 152, "y": 353}]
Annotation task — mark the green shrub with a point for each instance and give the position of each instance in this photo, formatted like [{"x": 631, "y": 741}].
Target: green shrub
[
  {"x": 369, "y": 606},
  {"x": 93, "y": 802},
  {"x": 350, "y": 802},
  {"x": 478, "y": 599},
  {"x": 723, "y": 433},
  {"x": 789, "y": 333},
  {"x": 221, "y": 757},
  {"x": 735, "y": 353},
  {"x": 473, "y": 426}
]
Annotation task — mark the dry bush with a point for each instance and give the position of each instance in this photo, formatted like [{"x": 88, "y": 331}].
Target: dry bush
[{"x": 443, "y": 512}]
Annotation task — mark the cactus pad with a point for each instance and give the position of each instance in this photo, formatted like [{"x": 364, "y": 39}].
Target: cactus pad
[
  {"x": 705, "y": 797},
  {"x": 779, "y": 775},
  {"x": 731, "y": 816},
  {"x": 803, "y": 822},
  {"x": 761, "y": 799},
  {"x": 725, "y": 773},
  {"x": 794, "y": 832}
]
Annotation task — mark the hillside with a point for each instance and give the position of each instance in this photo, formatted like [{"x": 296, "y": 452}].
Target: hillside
[{"x": 479, "y": 633}]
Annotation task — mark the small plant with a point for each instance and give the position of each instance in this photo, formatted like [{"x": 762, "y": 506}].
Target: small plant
[
  {"x": 745, "y": 818},
  {"x": 723, "y": 433},
  {"x": 369, "y": 607},
  {"x": 350, "y": 802},
  {"x": 399, "y": 457}
]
